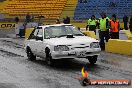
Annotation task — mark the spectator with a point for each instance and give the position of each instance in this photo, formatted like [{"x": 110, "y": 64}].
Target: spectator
[
  {"x": 16, "y": 19},
  {"x": 112, "y": 4},
  {"x": 130, "y": 24},
  {"x": 92, "y": 24},
  {"x": 66, "y": 20},
  {"x": 32, "y": 19},
  {"x": 57, "y": 21},
  {"x": 114, "y": 27},
  {"x": 41, "y": 20},
  {"x": 125, "y": 20},
  {"x": 17, "y": 30},
  {"x": 104, "y": 31},
  {"x": 28, "y": 18},
  {"x": 21, "y": 30},
  {"x": 79, "y": 28},
  {"x": 83, "y": 1}
]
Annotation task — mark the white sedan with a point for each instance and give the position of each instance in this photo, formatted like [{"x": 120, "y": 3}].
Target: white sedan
[{"x": 61, "y": 41}]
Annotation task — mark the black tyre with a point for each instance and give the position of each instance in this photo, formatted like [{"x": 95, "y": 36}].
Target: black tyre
[
  {"x": 85, "y": 82},
  {"x": 30, "y": 55},
  {"x": 92, "y": 59},
  {"x": 49, "y": 59}
]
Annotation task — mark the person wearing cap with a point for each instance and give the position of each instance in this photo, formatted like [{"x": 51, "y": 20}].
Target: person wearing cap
[
  {"x": 114, "y": 27},
  {"x": 103, "y": 30},
  {"x": 91, "y": 23}
]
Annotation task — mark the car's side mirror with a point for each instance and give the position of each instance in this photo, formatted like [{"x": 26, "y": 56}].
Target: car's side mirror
[{"x": 39, "y": 37}]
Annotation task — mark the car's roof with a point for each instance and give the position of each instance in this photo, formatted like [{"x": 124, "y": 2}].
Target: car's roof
[{"x": 55, "y": 25}]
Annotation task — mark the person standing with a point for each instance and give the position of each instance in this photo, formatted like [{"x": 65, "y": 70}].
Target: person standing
[
  {"x": 66, "y": 20},
  {"x": 114, "y": 27},
  {"x": 28, "y": 18},
  {"x": 103, "y": 30},
  {"x": 130, "y": 24},
  {"x": 21, "y": 30},
  {"x": 32, "y": 18},
  {"x": 92, "y": 24},
  {"x": 125, "y": 20},
  {"x": 17, "y": 26},
  {"x": 57, "y": 21},
  {"x": 16, "y": 19},
  {"x": 17, "y": 30}
]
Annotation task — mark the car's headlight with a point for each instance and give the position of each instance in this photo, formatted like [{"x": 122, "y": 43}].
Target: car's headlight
[
  {"x": 61, "y": 48},
  {"x": 94, "y": 45}
]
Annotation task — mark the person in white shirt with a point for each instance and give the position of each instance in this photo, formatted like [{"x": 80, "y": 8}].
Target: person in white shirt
[{"x": 17, "y": 29}]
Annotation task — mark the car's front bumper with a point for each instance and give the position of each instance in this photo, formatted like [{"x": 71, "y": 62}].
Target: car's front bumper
[{"x": 75, "y": 53}]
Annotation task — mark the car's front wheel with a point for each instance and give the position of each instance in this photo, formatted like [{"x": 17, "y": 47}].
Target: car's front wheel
[
  {"x": 30, "y": 55},
  {"x": 49, "y": 59},
  {"x": 92, "y": 59}
]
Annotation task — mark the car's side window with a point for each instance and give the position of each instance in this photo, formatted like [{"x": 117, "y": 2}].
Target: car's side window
[
  {"x": 48, "y": 33},
  {"x": 33, "y": 36},
  {"x": 40, "y": 35},
  {"x": 40, "y": 32}
]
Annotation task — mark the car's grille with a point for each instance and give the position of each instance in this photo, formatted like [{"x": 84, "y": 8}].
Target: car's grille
[{"x": 79, "y": 46}]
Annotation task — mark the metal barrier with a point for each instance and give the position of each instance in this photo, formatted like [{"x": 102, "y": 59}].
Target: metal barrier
[
  {"x": 90, "y": 34},
  {"x": 28, "y": 31},
  {"x": 119, "y": 46},
  {"x": 128, "y": 34}
]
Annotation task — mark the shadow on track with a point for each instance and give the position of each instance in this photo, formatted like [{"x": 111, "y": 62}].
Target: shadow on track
[{"x": 67, "y": 65}]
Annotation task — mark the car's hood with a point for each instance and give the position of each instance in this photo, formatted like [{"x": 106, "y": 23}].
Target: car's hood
[{"x": 71, "y": 41}]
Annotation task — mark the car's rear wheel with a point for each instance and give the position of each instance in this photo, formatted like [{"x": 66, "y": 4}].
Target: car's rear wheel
[
  {"x": 49, "y": 59},
  {"x": 30, "y": 55},
  {"x": 92, "y": 59}
]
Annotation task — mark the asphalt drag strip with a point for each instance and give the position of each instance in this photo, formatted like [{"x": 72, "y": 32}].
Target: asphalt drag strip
[{"x": 16, "y": 71}]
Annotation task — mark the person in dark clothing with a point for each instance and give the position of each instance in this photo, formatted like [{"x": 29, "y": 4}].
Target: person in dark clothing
[
  {"x": 28, "y": 18},
  {"x": 83, "y": 1},
  {"x": 125, "y": 20},
  {"x": 16, "y": 19},
  {"x": 32, "y": 18},
  {"x": 79, "y": 28},
  {"x": 66, "y": 20},
  {"x": 41, "y": 20},
  {"x": 130, "y": 24}
]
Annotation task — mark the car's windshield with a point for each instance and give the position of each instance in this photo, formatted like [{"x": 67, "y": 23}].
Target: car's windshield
[{"x": 61, "y": 31}]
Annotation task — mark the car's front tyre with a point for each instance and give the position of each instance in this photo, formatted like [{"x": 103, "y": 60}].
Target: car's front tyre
[
  {"x": 49, "y": 59},
  {"x": 30, "y": 55},
  {"x": 92, "y": 59}
]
